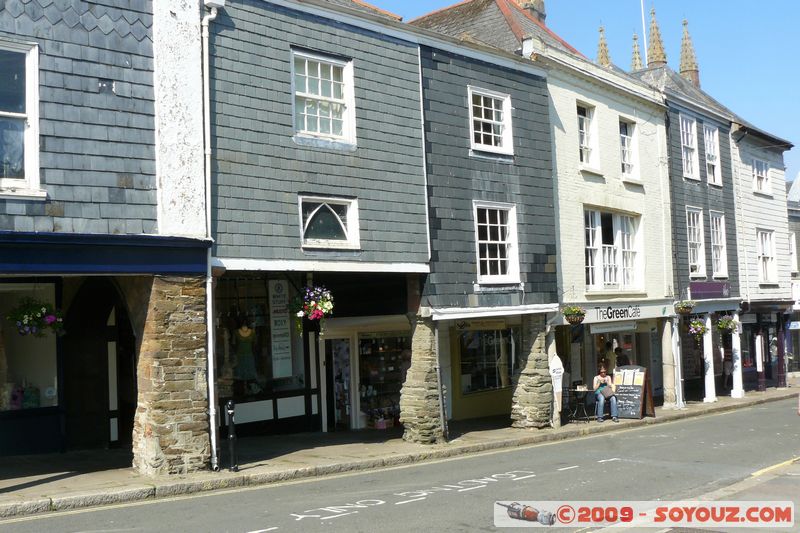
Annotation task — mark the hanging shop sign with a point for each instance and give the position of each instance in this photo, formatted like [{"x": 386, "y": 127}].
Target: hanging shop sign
[
  {"x": 614, "y": 326},
  {"x": 706, "y": 290},
  {"x": 794, "y": 325},
  {"x": 280, "y": 328}
]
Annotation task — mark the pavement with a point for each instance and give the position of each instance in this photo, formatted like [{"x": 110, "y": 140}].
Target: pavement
[{"x": 73, "y": 480}]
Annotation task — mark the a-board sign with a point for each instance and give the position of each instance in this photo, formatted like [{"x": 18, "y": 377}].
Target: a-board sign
[{"x": 634, "y": 392}]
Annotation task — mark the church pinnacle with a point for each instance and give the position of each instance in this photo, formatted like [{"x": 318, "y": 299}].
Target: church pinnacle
[
  {"x": 656, "y": 57},
  {"x": 636, "y": 61},
  {"x": 603, "y": 56},
  {"x": 689, "y": 68}
]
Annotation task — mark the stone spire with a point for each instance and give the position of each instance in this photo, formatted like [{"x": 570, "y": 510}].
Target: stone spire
[
  {"x": 689, "y": 68},
  {"x": 603, "y": 57},
  {"x": 636, "y": 62},
  {"x": 656, "y": 57},
  {"x": 534, "y": 7}
]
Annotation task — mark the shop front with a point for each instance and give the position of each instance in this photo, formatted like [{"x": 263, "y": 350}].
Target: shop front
[
  {"x": 614, "y": 330},
  {"x": 286, "y": 374},
  {"x": 74, "y": 340},
  {"x": 486, "y": 355}
]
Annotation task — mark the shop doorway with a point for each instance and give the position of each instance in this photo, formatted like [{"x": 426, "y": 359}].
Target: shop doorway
[
  {"x": 99, "y": 352},
  {"x": 338, "y": 380}
]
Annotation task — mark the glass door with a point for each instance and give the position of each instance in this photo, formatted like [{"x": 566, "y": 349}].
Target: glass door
[{"x": 337, "y": 352}]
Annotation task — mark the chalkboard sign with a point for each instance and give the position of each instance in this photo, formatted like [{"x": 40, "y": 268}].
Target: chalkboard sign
[{"x": 634, "y": 392}]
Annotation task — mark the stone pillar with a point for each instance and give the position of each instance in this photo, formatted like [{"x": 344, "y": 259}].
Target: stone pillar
[
  {"x": 708, "y": 359},
  {"x": 736, "y": 359},
  {"x": 420, "y": 409},
  {"x": 668, "y": 365},
  {"x": 170, "y": 433},
  {"x": 677, "y": 353},
  {"x": 533, "y": 388}
]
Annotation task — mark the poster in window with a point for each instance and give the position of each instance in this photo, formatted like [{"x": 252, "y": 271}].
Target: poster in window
[{"x": 280, "y": 328}]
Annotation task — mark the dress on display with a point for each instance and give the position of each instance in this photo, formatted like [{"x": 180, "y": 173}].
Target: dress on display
[{"x": 245, "y": 361}]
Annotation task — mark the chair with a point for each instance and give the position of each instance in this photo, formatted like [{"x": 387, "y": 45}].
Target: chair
[{"x": 579, "y": 401}]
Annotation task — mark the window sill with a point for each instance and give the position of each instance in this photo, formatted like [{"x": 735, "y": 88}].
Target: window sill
[
  {"x": 697, "y": 276},
  {"x": 720, "y": 276},
  {"x": 498, "y": 286},
  {"x": 762, "y": 193},
  {"x": 495, "y": 157},
  {"x": 23, "y": 194},
  {"x": 692, "y": 178},
  {"x": 332, "y": 246},
  {"x": 768, "y": 284},
  {"x": 321, "y": 142},
  {"x": 585, "y": 169},
  {"x": 632, "y": 180},
  {"x": 715, "y": 184},
  {"x": 615, "y": 292}
]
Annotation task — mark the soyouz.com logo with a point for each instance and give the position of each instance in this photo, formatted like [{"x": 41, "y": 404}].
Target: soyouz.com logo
[{"x": 752, "y": 514}]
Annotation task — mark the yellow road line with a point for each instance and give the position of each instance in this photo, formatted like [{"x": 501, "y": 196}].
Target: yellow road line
[{"x": 773, "y": 467}]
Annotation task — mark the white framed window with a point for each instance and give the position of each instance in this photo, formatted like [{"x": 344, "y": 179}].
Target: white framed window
[
  {"x": 691, "y": 168},
  {"x": 496, "y": 242},
  {"x": 719, "y": 252},
  {"x": 766, "y": 256},
  {"x": 793, "y": 251},
  {"x": 490, "y": 121},
  {"x": 324, "y": 101},
  {"x": 626, "y": 148},
  {"x": 761, "y": 176},
  {"x": 19, "y": 120},
  {"x": 327, "y": 222},
  {"x": 695, "y": 240},
  {"x": 611, "y": 257},
  {"x": 587, "y": 152},
  {"x": 711, "y": 138}
]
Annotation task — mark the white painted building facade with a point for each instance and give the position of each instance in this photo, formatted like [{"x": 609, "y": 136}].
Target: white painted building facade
[{"x": 612, "y": 207}]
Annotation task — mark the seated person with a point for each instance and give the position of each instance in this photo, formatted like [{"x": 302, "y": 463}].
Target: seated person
[
  {"x": 622, "y": 359},
  {"x": 601, "y": 381}
]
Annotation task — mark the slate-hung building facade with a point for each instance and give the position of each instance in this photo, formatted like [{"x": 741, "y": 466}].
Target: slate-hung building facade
[
  {"x": 731, "y": 240},
  {"x": 318, "y": 180},
  {"x": 492, "y": 231},
  {"x": 609, "y": 188},
  {"x": 85, "y": 232}
]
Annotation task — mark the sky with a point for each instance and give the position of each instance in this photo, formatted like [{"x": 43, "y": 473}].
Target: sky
[{"x": 748, "y": 51}]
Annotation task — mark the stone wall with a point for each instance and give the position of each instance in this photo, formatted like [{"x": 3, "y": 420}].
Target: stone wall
[
  {"x": 533, "y": 387},
  {"x": 419, "y": 398},
  {"x": 170, "y": 434}
]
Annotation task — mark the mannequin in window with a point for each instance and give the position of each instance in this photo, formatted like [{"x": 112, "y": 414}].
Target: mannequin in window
[{"x": 244, "y": 338}]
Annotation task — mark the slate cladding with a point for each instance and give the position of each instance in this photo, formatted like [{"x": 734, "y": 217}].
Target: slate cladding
[
  {"x": 696, "y": 193},
  {"x": 456, "y": 178},
  {"x": 96, "y": 149},
  {"x": 259, "y": 168},
  {"x": 700, "y": 194}
]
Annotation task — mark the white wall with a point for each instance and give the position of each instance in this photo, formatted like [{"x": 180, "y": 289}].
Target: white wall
[
  {"x": 179, "y": 118},
  {"x": 606, "y": 189},
  {"x": 760, "y": 211}
]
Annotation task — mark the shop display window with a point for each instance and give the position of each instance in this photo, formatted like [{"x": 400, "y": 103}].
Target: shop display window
[
  {"x": 28, "y": 361},
  {"x": 258, "y": 349},
  {"x": 384, "y": 359},
  {"x": 488, "y": 359}
]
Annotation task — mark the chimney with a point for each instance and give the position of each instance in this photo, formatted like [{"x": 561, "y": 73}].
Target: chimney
[
  {"x": 534, "y": 7},
  {"x": 689, "y": 68}
]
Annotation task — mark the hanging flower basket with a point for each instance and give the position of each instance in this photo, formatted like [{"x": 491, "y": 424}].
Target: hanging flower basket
[
  {"x": 697, "y": 328},
  {"x": 727, "y": 324},
  {"x": 574, "y": 314},
  {"x": 314, "y": 304},
  {"x": 34, "y": 317},
  {"x": 684, "y": 307}
]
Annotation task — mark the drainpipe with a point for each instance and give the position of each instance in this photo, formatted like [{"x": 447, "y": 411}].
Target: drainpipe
[{"x": 212, "y": 396}]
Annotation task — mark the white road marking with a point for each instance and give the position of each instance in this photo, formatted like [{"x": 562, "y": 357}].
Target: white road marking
[
  {"x": 473, "y": 488},
  {"x": 337, "y": 515},
  {"x": 523, "y": 477},
  {"x": 263, "y": 530},
  {"x": 409, "y": 501},
  {"x": 609, "y": 460},
  {"x": 568, "y": 468}
]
